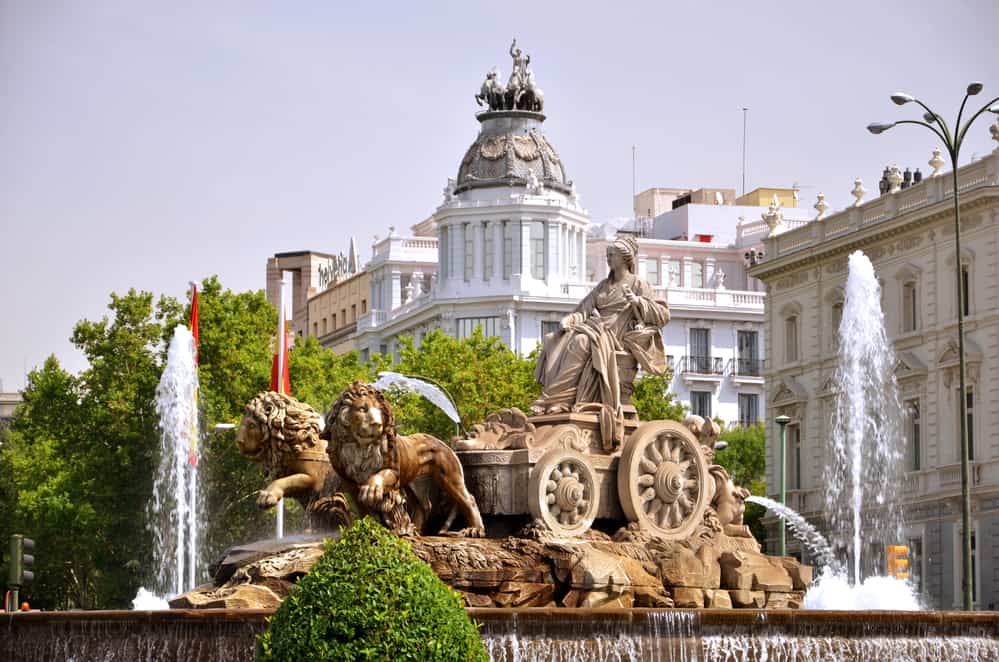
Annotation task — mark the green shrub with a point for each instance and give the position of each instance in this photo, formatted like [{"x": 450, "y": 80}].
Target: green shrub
[{"x": 370, "y": 598}]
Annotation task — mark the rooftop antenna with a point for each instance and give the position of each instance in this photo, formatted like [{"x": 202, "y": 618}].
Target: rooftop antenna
[
  {"x": 634, "y": 159},
  {"x": 745, "y": 113}
]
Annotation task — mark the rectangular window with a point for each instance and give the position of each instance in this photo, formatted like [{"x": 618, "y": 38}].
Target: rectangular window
[
  {"x": 911, "y": 410},
  {"x": 443, "y": 252},
  {"x": 696, "y": 274},
  {"x": 487, "y": 271},
  {"x": 837, "y": 319},
  {"x": 343, "y": 317},
  {"x": 794, "y": 447},
  {"x": 674, "y": 269},
  {"x": 548, "y": 327},
  {"x": 700, "y": 351},
  {"x": 315, "y": 327},
  {"x": 652, "y": 271},
  {"x": 467, "y": 325},
  {"x": 538, "y": 250},
  {"x": 791, "y": 338},
  {"x": 700, "y": 403},
  {"x": 332, "y": 322},
  {"x": 469, "y": 253},
  {"x": 915, "y": 546},
  {"x": 970, "y": 396},
  {"x": 353, "y": 312},
  {"x": 909, "y": 307},
  {"x": 508, "y": 230},
  {"x": 966, "y": 289},
  {"x": 749, "y": 409},
  {"x": 364, "y": 306},
  {"x": 749, "y": 359},
  {"x": 324, "y": 326}
]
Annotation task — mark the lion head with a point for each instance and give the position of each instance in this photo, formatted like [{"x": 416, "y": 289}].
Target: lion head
[
  {"x": 276, "y": 426},
  {"x": 361, "y": 414}
]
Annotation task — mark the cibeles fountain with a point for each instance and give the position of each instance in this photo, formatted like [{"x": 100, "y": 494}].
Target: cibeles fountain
[{"x": 573, "y": 531}]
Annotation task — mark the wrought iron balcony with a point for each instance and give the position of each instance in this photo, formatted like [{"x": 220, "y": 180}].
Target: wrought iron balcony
[
  {"x": 747, "y": 367},
  {"x": 703, "y": 365}
]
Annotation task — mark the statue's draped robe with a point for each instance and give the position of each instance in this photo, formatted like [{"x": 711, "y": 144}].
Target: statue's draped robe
[{"x": 578, "y": 365}]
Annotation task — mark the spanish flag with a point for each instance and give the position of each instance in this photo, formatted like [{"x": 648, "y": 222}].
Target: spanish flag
[
  {"x": 280, "y": 377},
  {"x": 192, "y": 452}
]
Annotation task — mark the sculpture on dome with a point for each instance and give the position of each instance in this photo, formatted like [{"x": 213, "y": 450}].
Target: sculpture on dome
[
  {"x": 521, "y": 92},
  {"x": 593, "y": 358}
]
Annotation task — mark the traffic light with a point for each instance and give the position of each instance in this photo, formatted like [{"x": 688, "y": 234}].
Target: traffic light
[
  {"x": 898, "y": 561},
  {"x": 17, "y": 568}
]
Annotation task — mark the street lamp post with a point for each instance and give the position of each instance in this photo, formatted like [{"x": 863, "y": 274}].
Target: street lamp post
[
  {"x": 782, "y": 421},
  {"x": 952, "y": 142}
]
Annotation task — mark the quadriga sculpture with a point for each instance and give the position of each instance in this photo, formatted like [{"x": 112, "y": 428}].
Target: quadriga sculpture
[
  {"x": 281, "y": 434},
  {"x": 378, "y": 466}
]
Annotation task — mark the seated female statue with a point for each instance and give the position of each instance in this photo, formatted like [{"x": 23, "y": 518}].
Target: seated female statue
[{"x": 621, "y": 317}]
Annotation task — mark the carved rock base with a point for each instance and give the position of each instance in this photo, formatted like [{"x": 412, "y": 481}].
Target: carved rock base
[{"x": 539, "y": 572}]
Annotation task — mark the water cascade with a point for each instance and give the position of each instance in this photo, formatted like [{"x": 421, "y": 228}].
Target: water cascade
[
  {"x": 864, "y": 472},
  {"x": 818, "y": 547},
  {"x": 173, "y": 511}
]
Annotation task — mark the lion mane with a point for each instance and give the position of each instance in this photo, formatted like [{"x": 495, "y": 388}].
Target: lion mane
[
  {"x": 289, "y": 428},
  {"x": 356, "y": 392}
]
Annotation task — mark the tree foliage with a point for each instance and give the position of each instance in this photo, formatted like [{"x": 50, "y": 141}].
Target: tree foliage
[
  {"x": 745, "y": 460},
  {"x": 370, "y": 598},
  {"x": 654, "y": 401}
]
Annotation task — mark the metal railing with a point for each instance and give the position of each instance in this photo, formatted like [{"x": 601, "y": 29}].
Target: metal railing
[
  {"x": 703, "y": 365},
  {"x": 746, "y": 367}
]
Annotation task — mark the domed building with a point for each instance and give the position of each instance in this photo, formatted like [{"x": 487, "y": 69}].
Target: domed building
[{"x": 504, "y": 251}]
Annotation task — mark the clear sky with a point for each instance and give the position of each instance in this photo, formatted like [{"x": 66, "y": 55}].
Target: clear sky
[{"x": 148, "y": 144}]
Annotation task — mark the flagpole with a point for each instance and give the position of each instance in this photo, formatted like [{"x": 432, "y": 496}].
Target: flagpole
[{"x": 282, "y": 350}]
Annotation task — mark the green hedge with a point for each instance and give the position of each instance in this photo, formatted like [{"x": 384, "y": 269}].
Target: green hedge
[{"x": 370, "y": 598}]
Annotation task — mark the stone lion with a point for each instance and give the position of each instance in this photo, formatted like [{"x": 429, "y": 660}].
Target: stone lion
[
  {"x": 378, "y": 466},
  {"x": 281, "y": 434}
]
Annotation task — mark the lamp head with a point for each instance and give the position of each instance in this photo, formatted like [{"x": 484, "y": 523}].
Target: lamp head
[
  {"x": 930, "y": 118},
  {"x": 901, "y": 98},
  {"x": 782, "y": 420},
  {"x": 879, "y": 127},
  {"x": 974, "y": 88},
  {"x": 994, "y": 109}
]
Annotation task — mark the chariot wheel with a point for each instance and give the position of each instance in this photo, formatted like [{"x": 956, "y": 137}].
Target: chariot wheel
[
  {"x": 662, "y": 479},
  {"x": 563, "y": 492}
]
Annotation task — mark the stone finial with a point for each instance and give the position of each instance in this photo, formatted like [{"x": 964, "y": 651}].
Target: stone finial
[
  {"x": 719, "y": 279},
  {"x": 774, "y": 217},
  {"x": 821, "y": 206},
  {"x": 858, "y": 191},
  {"x": 407, "y": 292},
  {"x": 994, "y": 130},
  {"x": 449, "y": 189},
  {"x": 936, "y": 162},
  {"x": 534, "y": 185},
  {"x": 894, "y": 179},
  {"x": 392, "y": 232}
]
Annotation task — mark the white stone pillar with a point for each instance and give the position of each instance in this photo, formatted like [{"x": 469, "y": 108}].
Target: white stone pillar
[
  {"x": 709, "y": 271},
  {"x": 496, "y": 227},
  {"x": 581, "y": 255},
  {"x": 552, "y": 239},
  {"x": 458, "y": 231},
  {"x": 480, "y": 249},
  {"x": 524, "y": 268},
  {"x": 396, "y": 289}
]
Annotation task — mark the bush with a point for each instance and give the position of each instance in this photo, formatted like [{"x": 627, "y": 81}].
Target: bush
[{"x": 370, "y": 598}]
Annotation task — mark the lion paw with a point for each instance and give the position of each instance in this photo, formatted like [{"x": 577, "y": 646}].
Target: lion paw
[
  {"x": 471, "y": 532},
  {"x": 269, "y": 498}
]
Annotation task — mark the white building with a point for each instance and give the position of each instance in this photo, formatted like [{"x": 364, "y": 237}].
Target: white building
[{"x": 909, "y": 236}]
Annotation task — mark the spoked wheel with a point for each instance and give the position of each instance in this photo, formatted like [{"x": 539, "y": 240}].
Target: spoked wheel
[
  {"x": 563, "y": 492},
  {"x": 663, "y": 480}
]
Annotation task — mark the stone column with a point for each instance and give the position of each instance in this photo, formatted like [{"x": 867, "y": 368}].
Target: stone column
[
  {"x": 581, "y": 254},
  {"x": 396, "y": 289},
  {"x": 524, "y": 267},
  {"x": 496, "y": 227},
  {"x": 459, "y": 252},
  {"x": 553, "y": 237},
  {"x": 480, "y": 249},
  {"x": 687, "y": 261},
  {"x": 709, "y": 271}
]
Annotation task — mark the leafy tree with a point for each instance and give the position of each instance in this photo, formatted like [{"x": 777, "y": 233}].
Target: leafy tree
[
  {"x": 480, "y": 374},
  {"x": 318, "y": 375},
  {"x": 745, "y": 460},
  {"x": 370, "y": 598},
  {"x": 654, "y": 401}
]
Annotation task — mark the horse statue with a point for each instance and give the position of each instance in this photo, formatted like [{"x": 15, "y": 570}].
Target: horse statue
[
  {"x": 530, "y": 96},
  {"x": 492, "y": 93}
]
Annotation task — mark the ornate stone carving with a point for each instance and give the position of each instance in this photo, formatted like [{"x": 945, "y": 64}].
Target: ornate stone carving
[
  {"x": 936, "y": 162},
  {"x": 377, "y": 465},
  {"x": 493, "y": 148},
  {"x": 858, "y": 191},
  {"x": 821, "y": 206},
  {"x": 526, "y": 148},
  {"x": 774, "y": 217},
  {"x": 792, "y": 280},
  {"x": 894, "y": 179},
  {"x": 503, "y": 430}
]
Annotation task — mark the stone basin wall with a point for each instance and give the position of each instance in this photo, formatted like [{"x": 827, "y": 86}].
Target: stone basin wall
[{"x": 529, "y": 635}]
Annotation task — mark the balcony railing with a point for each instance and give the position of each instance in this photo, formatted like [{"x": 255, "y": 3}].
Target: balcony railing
[
  {"x": 703, "y": 365},
  {"x": 746, "y": 367}
]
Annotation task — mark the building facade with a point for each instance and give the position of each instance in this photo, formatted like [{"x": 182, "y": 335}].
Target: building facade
[{"x": 909, "y": 236}]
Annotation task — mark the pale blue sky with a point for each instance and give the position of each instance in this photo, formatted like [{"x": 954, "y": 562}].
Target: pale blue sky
[{"x": 148, "y": 144}]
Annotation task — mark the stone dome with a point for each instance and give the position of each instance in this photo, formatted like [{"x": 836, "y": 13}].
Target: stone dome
[{"x": 509, "y": 148}]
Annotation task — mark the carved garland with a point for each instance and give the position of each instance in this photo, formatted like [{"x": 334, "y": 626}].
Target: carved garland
[
  {"x": 493, "y": 148},
  {"x": 525, "y": 148}
]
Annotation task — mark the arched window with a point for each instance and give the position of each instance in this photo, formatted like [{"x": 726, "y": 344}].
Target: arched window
[
  {"x": 910, "y": 306},
  {"x": 792, "y": 322}
]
